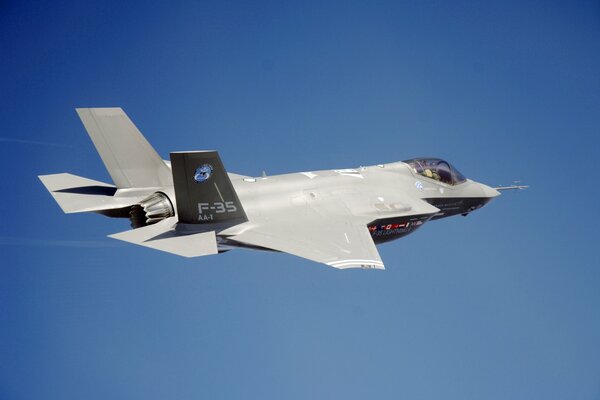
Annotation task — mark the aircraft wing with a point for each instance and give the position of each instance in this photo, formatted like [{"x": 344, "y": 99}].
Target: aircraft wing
[
  {"x": 340, "y": 245},
  {"x": 332, "y": 232}
]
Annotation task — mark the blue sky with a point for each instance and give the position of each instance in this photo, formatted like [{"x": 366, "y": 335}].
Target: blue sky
[{"x": 502, "y": 304}]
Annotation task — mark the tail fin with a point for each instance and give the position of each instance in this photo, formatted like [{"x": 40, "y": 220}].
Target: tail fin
[
  {"x": 129, "y": 158},
  {"x": 203, "y": 190}
]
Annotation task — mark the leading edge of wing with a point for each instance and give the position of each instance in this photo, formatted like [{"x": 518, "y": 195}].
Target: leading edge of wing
[{"x": 339, "y": 245}]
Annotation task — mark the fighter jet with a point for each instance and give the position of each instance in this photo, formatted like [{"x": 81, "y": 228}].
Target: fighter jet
[{"x": 191, "y": 206}]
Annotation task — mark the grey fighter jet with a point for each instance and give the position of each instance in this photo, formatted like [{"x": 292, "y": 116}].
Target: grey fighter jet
[{"x": 190, "y": 205}]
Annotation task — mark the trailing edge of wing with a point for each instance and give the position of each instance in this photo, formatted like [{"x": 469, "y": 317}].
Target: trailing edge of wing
[
  {"x": 339, "y": 245},
  {"x": 165, "y": 236}
]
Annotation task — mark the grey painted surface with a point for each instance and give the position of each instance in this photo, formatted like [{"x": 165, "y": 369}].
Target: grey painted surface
[{"x": 329, "y": 216}]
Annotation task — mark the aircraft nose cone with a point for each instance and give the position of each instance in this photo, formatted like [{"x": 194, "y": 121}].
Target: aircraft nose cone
[{"x": 489, "y": 192}]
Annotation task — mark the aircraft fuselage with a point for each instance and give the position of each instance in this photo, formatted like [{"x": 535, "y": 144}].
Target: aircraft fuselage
[{"x": 373, "y": 191}]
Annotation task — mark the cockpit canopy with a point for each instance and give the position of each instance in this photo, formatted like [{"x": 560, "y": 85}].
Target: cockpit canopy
[{"x": 436, "y": 169}]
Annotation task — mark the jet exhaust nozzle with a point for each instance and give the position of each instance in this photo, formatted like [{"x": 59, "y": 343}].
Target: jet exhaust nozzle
[{"x": 151, "y": 210}]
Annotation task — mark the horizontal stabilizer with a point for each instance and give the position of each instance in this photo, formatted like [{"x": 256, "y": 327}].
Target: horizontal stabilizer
[
  {"x": 164, "y": 236},
  {"x": 77, "y": 194}
]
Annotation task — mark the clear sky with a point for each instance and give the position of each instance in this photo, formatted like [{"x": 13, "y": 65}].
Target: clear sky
[{"x": 503, "y": 304}]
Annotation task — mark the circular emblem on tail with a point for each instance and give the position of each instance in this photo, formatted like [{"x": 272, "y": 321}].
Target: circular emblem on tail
[{"x": 203, "y": 173}]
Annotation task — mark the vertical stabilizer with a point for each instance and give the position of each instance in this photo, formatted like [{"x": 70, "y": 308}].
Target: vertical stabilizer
[
  {"x": 203, "y": 190},
  {"x": 129, "y": 158}
]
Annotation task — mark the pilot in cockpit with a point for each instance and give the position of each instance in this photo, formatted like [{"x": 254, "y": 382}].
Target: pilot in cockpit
[{"x": 437, "y": 169}]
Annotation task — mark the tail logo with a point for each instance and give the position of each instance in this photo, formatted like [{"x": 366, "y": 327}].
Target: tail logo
[{"x": 203, "y": 173}]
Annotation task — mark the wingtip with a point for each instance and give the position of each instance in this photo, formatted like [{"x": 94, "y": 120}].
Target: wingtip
[{"x": 364, "y": 264}]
